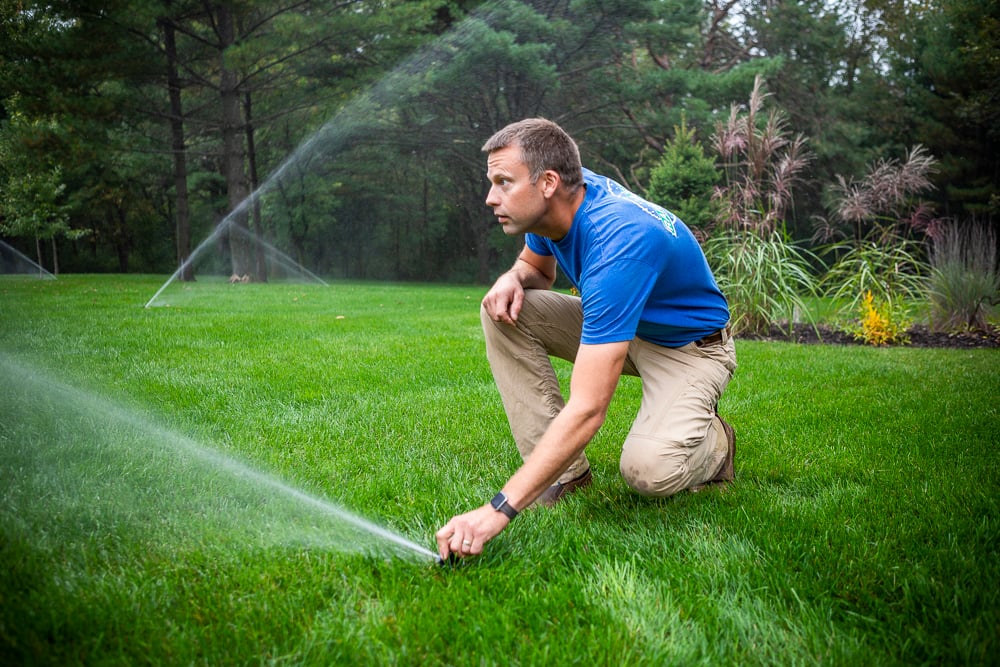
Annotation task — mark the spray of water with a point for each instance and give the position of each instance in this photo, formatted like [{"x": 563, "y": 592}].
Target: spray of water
[
  {"x": 70, "y": 453},
  {"x": 13, "y": 261},
  {"x": 227, "y": 226},
  {"x": 356, "y": 121}
]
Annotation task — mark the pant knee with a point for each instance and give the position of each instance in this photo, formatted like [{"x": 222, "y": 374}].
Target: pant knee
[{"x": 654, "y": 471}]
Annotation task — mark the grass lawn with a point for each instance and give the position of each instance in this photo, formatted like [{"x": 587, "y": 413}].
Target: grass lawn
[{"x": 183, "y": 485}]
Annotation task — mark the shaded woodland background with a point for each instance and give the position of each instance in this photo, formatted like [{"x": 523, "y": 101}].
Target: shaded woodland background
[{"x": 129, "y": 129}]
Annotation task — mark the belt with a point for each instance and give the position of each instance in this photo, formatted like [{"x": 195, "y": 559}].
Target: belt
[{"x": 720, "y": 337}]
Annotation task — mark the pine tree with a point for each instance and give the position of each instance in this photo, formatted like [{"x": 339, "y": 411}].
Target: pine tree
[{"x": 683, "y": 180}]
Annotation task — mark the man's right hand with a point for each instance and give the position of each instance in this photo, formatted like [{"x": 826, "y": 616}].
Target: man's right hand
[
  {"x": 504, "y": 300},
  {"x": 531, "y": 271}
]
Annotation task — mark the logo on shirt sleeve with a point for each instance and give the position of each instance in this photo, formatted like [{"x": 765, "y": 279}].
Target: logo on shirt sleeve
[{"x": 665, "y": 217}]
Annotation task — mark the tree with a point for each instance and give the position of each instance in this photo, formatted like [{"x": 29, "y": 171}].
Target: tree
[
  {"x": 33, "y": 205},
  {"x": 935, "y": 84},
  {"x": 822, "y": 48},
  {"x": 220, "y": 74},
  {"x": 178, "y": 144},
  {"x": 684, "y": 180},
  {"x": 667, "y": 61},
  {"x": 495, "y": 67},
  {"x": 64, "y": 71}
]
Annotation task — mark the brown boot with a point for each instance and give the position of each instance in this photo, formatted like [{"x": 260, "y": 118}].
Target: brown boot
[
  {"x": 726, "y": 472},
  {"x": 554, "y": 493}
]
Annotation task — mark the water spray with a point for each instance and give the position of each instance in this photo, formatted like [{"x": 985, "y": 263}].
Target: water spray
[
  {"x": 85, "y": 451},
  {"x": 13, "y": 261},
  {"x": 351, "y": 122}
]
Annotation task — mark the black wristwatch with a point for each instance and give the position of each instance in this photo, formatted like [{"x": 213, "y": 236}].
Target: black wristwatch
[{"x": 500, "y": 504}]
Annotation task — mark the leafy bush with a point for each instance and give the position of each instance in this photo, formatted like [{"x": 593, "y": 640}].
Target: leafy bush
[
  {"x": 964, "y": 284},
  {"x": 765, "y": 278},
  {"x": 882, "y": 323}
]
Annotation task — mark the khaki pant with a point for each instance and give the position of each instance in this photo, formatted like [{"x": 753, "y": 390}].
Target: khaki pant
[{"x": 676, "y": 442}]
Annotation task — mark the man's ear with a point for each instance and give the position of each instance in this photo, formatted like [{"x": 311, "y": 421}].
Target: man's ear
[{"x": 550, "y": 182}]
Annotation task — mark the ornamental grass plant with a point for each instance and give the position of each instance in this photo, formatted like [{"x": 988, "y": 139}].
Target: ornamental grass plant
[
  {"x": 766, "y": 278},
  {"x": 881, "y": 219},
  {"x": 143, "y": 519},
  {"x": 964, "y": 283}
]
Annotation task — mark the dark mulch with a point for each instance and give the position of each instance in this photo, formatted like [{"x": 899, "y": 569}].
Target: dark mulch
[{"x": 920, "y": 336}]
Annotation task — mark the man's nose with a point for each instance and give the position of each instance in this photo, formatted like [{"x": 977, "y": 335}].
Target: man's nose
[{"x": 491, "y": 199}]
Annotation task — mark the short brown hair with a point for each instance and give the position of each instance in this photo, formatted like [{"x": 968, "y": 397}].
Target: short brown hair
[{"x": 544, "y": 145}]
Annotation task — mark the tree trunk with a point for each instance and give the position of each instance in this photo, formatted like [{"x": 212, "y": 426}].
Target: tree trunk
[
  {"x": 260, "y": 265},
  {"x": 179, "y": 152},
  {"x": 233, "y": 152},
  {"x": 55, "y": 257}
]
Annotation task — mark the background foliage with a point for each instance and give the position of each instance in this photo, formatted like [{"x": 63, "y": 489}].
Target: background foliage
[
  {"x": 845, "y": 134},
  {"x": 146, "y": 123}
]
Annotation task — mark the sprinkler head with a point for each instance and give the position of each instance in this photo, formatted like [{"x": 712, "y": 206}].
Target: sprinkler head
[{"x": 450, "y": 561}]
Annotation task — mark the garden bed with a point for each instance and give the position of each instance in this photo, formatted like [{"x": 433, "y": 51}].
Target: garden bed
[{"x": 920, "y": 336}]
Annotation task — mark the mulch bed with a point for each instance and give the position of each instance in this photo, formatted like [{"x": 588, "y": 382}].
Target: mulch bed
[{"x": 920, "y": 336}]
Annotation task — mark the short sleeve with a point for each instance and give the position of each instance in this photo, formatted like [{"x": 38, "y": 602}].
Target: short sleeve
[{"x": 537, "y": 244}]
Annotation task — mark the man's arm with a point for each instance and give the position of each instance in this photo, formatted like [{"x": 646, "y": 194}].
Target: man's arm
[
  {"x": 595, "y": 377},
  {"x": 530, "y": 271},
  {"x": 592, "y": 386}
]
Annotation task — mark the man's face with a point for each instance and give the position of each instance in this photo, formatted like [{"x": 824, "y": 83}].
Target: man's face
[{"x": 517, "y": 202}]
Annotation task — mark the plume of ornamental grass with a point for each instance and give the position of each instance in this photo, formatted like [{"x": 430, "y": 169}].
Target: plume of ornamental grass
[
  {"x": 883, "y": 203},
  {"x": 761, "y": 162}
]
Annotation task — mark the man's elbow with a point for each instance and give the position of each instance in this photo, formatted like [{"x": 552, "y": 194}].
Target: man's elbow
[{"x": 590, "y": 414}]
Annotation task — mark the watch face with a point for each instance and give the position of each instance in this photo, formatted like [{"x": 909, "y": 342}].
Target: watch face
[
  {"x": 500, "y": 504},
  {"x": 499, "y": 500}
]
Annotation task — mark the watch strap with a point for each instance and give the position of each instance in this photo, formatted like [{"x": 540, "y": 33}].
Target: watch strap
[{"x": 501, "y": 504}]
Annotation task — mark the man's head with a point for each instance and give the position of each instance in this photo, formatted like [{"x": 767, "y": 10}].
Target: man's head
[{"x": 544, "y": 146}]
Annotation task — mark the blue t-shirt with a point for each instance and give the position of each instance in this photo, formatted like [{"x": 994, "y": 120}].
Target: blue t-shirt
[{"x": 639, "y": 270}]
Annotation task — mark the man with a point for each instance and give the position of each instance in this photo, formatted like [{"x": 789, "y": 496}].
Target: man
[{"x": 648, "y": 306}]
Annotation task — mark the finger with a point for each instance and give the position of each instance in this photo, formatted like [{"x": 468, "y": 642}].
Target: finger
[
  {"x": 443, "y": 537},
  {"x": 475, "y": 547},
  {"x": 460, "y": 545},
  {"x": 494, "y": 308},
  {"x": 515, "y": 306},
  {"x": 498, "y": 310}
]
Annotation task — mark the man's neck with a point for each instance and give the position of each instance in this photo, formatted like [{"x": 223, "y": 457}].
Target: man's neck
[{"x": 563, "y": 210}]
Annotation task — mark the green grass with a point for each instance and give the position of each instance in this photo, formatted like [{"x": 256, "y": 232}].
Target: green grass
[{"x": 863, "y": 527}]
